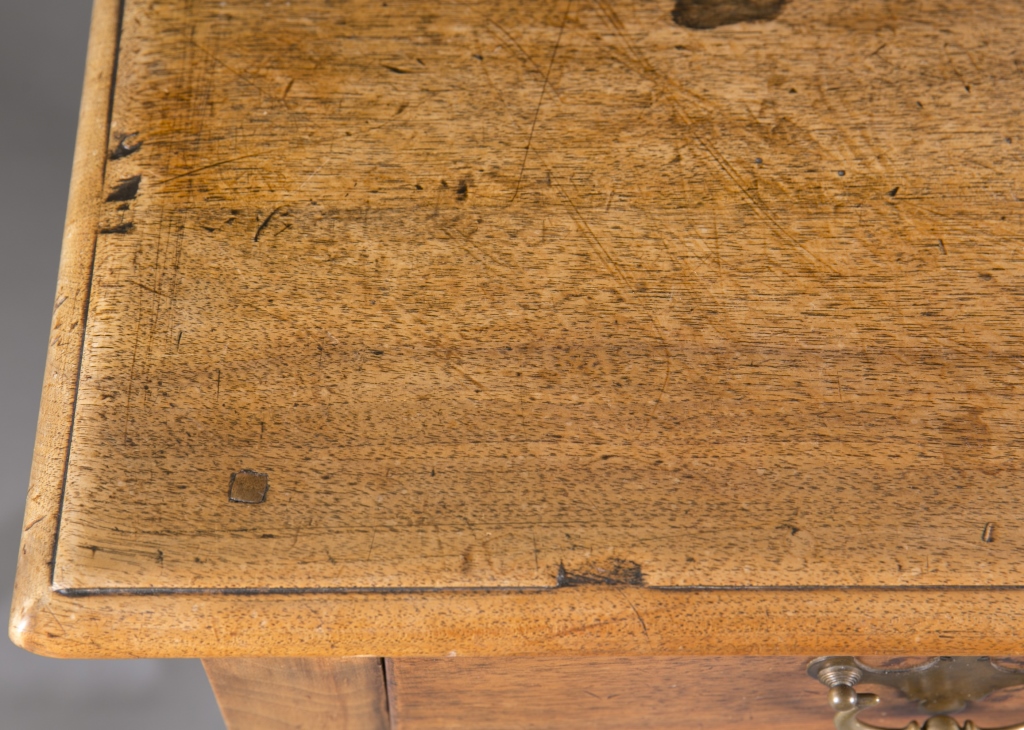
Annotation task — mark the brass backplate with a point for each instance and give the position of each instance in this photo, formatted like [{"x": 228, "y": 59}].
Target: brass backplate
[{"x": 941, "y": 684}]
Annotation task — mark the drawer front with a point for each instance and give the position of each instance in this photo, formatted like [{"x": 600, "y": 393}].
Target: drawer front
[{"x": 627, "y": 693}]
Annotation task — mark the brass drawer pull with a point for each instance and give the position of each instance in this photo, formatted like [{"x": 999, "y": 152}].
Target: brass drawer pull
[{"x": 941, "y": 685}]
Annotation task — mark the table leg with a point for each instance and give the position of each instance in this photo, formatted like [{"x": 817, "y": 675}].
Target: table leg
[{"x": 306, "y": 694}]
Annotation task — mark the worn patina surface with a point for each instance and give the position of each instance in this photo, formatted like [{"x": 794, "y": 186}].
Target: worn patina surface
[{"x": 487, "y": 321}]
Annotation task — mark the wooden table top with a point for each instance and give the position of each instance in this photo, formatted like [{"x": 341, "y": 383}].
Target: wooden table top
[{"x": 537, "y": 327}]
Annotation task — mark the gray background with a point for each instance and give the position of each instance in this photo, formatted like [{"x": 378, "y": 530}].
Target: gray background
[{"x": 42, "y": 58}]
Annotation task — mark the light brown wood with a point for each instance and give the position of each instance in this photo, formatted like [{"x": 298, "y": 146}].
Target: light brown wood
[
  {"x": 508, "y": 328},
  {"x": 33, "y": 584},
  {"x": 300, "y": 694},
  {"x": 582, "y": 621},
  {"x": 756, "y": 693}
]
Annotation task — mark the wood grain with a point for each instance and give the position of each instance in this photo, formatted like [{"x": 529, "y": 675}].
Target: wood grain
[
  {"x": 580, "y": 621},
  {"x": 32, "y": 589},
  {"x": 596, "y": 332},
  {"x": 766, "y": 693},
  {"x": 300, "y": 694}
]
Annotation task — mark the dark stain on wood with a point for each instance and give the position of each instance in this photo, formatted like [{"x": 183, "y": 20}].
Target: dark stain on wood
[
  {"x": 705, "y": 14},
  {"x": 248, "y": 486},
  {"x": 264, "y": 224},
  {"x": 119, "y": 228},
  {"x": 125, "y": 146},
  {"x": 614, "y": 572},
  {"x": 125, "y": 190}
]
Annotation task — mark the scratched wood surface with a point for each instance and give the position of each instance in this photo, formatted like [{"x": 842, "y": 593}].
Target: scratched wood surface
[{"x": 361, "y": 300}]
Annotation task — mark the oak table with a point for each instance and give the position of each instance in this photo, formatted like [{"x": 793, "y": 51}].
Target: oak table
[{"x": 596, "y": 364}]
